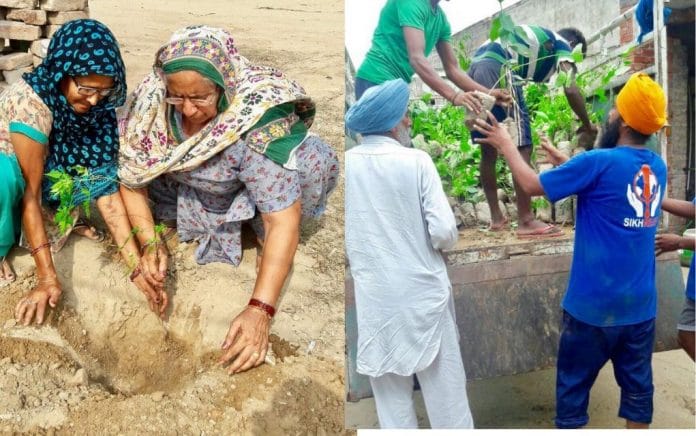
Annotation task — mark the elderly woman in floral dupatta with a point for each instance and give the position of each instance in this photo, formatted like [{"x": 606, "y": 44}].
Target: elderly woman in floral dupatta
[
  {"x": 218, "y": 142},
  {"x": 62, "y": 117}
]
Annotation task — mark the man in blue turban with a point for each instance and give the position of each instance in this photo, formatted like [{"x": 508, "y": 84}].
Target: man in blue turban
[
  {"x": 397, "y": 222},
  {"x": 379, "y": 109}
]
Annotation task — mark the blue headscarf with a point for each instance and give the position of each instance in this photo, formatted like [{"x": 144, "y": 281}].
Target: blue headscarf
[
  {"x": 90, "y": 140},
  {"x": 379, "y": 109}
]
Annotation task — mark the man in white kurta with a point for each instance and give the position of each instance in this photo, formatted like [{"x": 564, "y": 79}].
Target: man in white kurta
[{"x": 397, "y": 222}]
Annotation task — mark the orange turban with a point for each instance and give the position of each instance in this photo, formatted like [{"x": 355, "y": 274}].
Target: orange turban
[{"x": 642, "y": 105}]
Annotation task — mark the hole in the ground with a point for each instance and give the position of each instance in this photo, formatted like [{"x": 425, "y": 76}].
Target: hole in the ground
[{"x": 134, "y": 363}]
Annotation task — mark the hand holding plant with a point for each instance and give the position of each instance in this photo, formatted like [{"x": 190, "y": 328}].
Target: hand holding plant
[
  {"x": 502, "y": 97},
  {"x": 153, "y": 263},
  {"x": 586, "y": 136},
  {"x": 470, "y": 100},
  {"x": 47, "y": 291},
  {"x": 157, "y": 300}
]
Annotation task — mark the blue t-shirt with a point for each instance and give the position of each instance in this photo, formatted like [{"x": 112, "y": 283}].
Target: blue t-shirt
[
  {"x": 690, "y": 281},
  {"x": 612, "y": 277}
]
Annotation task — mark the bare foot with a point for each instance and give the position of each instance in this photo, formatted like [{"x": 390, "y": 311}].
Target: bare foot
[
  {"x": 7, "y": 276},
  {"x": 498, "y": 226}
]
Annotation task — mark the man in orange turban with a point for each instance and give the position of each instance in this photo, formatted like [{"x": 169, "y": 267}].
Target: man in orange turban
[{"x": 610, "y": 304}]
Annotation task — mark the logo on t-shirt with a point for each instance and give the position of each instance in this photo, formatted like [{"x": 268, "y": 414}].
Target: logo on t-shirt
[{"x": 644, "y": 197}]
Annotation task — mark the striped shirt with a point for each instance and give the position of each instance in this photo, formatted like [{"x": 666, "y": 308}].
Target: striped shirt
[{"x": 544, "y": 50}]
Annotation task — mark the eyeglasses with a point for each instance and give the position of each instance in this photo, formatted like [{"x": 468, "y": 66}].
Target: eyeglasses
[
  {"x": 200, "y": 102},
  {"x": 88, "y": 91}
]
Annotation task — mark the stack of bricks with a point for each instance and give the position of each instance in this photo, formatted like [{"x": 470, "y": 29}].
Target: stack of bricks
[{"x": 26, "y": 27}]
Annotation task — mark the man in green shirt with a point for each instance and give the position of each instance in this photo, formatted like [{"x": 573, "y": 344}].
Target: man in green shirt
[{"x": 406, "y": 34}]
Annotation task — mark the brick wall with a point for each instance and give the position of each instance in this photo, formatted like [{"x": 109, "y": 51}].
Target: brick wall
[{"x": 26, "y": 27}]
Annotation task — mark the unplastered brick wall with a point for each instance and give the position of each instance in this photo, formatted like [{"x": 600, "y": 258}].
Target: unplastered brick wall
[{"x": 26, "y": 27}]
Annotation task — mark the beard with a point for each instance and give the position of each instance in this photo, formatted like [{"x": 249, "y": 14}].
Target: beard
[
  {"x": 403, "y": 135},
  {"x": 610, "y": 135}
]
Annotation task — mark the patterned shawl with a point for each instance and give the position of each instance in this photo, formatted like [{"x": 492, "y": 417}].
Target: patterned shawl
[
  {"x": 260, "y": 105},
  {"x": 90, "y": 140}
]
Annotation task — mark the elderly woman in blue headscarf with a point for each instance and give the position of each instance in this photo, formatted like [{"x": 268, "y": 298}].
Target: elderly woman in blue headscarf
[{"x": 61, "y": 118}]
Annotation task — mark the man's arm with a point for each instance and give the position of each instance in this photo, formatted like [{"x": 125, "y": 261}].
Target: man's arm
[
  {"x": 575, "y": 98},
  {"x": 682, "y": 208},
  {"x": 415, "y": 43},
  {"x": 463, "y": 80},
  {"x": 496, "y": 135}
]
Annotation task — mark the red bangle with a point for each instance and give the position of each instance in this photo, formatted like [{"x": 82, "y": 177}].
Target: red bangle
[
  {"x": 270, "y": 310},
  {"x": 39, "y": 248}
]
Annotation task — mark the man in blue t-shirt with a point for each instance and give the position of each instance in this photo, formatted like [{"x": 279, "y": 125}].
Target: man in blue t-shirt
[
  {"x": 671, "y": 242},
  {"x": 609, "y": 307}
]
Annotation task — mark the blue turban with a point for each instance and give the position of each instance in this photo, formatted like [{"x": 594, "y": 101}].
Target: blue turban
[{"x": 379, "y": 109}]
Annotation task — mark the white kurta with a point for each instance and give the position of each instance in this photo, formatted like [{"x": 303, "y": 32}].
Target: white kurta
[{"x": 397, "y": 221}]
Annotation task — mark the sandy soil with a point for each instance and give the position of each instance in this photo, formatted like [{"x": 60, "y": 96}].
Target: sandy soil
[{"x": 105, "y": 364}]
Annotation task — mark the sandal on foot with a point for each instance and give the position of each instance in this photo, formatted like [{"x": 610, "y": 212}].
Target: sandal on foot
[
  {"x": 549, "y": 231},
  {"x": 82, "y": 228}
]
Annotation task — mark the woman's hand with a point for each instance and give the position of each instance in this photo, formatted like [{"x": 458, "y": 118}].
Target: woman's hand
[
  {"x": 246, "y": 341},
  {"x": 33, "y": 304},
  {"x": 158, "y": 300},
  {"x": 153, "y": 264}
]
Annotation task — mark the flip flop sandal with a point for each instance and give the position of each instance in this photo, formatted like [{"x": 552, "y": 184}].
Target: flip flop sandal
[
  {"x": 550, "y": 231},
  {"x": 100, "y": 236},
  {"x": 6, "y": 281}
]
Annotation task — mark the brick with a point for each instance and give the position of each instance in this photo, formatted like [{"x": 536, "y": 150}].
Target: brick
[
  {"x": 13, "y": 61},
  {"x": 50, "y": 29},
  {"x": 12, "y": 76},
  {"x": 36, "y": 17},
  {"x": 64, "y": 17},
  {"x": 63, "y": 5},
  {"x": 40, "y": 47},
  {"x": 19, "y": 31},
  {"x": 18, "y": 4}
]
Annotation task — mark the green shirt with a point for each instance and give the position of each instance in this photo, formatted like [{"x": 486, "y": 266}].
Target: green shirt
[{"x": 387, "y": 59}]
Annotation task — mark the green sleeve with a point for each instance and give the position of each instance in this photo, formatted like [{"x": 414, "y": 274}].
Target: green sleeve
[
  {"x": 412, "y": 13},
  {"x": 446, "y": 31}
]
